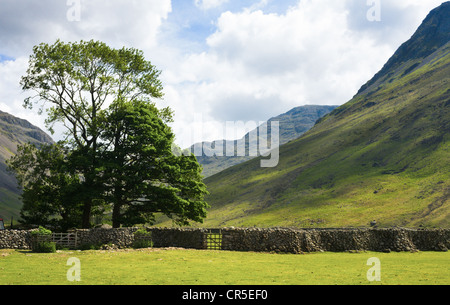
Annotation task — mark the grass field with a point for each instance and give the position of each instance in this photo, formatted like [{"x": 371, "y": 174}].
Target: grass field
[{"x": 204, "y": 267}]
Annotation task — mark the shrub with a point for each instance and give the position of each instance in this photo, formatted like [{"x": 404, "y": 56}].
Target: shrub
[
  {"x": 45, "y": 247},
  {"x": 142, "y": 232},
  {"x": 142, "y": 243},
  {"x": 142, "y": 239},
  {"x": 41, "y": 231},
  {"x": 41, "y": 241}
]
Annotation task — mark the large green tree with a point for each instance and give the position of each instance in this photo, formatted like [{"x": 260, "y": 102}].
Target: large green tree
[
  {"x": 142, "y": 174},
  {"x": 73, "y": 82},
  {"x": 118, "y": 142}
]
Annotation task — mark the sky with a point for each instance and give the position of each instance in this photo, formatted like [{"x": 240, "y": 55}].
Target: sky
[{"x": 220, "y": 60}]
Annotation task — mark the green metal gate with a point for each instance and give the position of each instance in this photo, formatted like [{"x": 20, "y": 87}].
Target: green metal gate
[{"x": 214, "y": 239}]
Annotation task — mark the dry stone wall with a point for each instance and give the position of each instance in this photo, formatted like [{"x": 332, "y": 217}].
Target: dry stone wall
[
  {"x": 15, "y": 239},
  {"x": 120, "y": 238},
  {"x": 335, "y": 240},
  {"x": 263, "y": 240}
]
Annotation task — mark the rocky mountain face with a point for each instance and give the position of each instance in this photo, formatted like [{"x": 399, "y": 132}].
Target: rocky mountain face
[{"x": 433, "y": 34}]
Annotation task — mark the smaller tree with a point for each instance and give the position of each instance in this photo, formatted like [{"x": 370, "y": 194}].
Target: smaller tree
[{"x": 51, "y": 192}]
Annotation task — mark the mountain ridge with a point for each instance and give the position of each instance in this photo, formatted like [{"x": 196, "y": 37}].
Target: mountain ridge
[
  {"x": 432, "y": 34},
  {"x": 384, "y": 155}
]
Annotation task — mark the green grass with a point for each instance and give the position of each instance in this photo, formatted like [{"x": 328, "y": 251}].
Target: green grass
[{"x": 204, "y": 267}]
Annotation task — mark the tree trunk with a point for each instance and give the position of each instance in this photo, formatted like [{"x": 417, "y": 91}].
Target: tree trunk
[
  {"x": 116, "y": 215},
  {"x": 86, "y": 220}
]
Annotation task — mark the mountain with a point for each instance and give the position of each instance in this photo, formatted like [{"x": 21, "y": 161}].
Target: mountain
[
  {"x": 14, "y": 131},
  {"x": 384, "y": 156},
  {"x": 292, "y": 125},
  {"x": 431, "y": 35}
]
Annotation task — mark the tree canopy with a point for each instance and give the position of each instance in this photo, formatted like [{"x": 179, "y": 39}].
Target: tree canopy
[{"x": 117, "y": 151}]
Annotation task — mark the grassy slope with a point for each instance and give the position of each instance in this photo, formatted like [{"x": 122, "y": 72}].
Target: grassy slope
[{"x": 384, "y": 156}]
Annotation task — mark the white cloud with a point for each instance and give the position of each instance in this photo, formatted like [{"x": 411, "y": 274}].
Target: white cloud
[
  {"x": 254, "y": 66},
  {"x": 24, "y": 23},
  {"x": 260, "y": 65},
  {"x": 11, "y": 95},
  {"x": 124, "y": 22}
]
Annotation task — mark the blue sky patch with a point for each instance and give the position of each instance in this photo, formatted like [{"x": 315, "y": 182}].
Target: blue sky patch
[{"x": 5, "y": 58}]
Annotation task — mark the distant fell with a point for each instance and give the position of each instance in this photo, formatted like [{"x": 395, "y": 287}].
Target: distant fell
[
  {"x": 13, "y": 132},
  {"x": 292, "y": 125}
]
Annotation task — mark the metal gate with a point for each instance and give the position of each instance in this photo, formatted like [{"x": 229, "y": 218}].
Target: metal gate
[
  {"x": 64, "y": 240},
  {"x": 213, "y": 239},
  {"x": 68, "y": 240}
]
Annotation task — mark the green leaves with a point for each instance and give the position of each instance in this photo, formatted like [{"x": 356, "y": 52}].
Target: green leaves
[
  {"x": 78, "y": 79},
  {"x": 143, "y": 174},
  {"x": 118, "y": 152},
  {"x": 50, "y": 188}
]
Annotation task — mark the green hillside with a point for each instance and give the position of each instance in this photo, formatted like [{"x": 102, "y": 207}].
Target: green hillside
[{"x": 383, "y": 156}]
